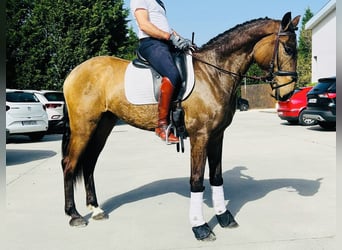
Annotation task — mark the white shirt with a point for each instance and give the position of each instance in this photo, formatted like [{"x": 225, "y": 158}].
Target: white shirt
[{"x": 157, "y": 15}]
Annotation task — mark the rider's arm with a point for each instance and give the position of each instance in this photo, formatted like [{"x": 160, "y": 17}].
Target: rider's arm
[{"x": 149, "y": 28}]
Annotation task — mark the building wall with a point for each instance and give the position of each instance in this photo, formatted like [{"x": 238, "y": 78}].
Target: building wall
[
  {"x": 258, "y": 96},
  {"x": 324, "y": 48}
]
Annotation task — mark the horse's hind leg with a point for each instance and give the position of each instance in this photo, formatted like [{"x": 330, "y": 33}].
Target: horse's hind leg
[
  {"x": 70, "y": 171},
  {"x": 72, "y": 148},
  {"x": 214, "y": 150},
  {"x": 89, "y": 160},
  {"x": 74, "y": 144}
]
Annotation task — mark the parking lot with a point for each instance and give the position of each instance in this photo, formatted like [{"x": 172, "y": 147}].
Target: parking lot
[{"x": 280, "y": 183}]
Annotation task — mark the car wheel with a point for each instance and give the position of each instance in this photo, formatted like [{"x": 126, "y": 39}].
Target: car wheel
[
  {"x": 327, "y": 125},
  {"x": 243, "y": 107},
  {"x": 37, "y": 136},
  {"x": 293, "y": 122},
  {"x": 306, "y": 121}
]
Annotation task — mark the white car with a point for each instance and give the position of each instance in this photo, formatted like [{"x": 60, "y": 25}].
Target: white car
[
  {"x": 25, "y": 114},
  {"x": 54, "y": 103}
]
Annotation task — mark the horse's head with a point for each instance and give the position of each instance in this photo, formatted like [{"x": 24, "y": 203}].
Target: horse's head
[{"x": 277, "y": 53}]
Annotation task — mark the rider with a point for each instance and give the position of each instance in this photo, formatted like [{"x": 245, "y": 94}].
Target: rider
[{"x": 157, "y": 41}]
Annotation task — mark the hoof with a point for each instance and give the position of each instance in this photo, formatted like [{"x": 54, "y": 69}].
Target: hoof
[
  {"x": 78, "y": 222},
  {"x": 227, "y": 220},
  {"x": 100, "y": 216},
  {"x": 204, "y": 233}
]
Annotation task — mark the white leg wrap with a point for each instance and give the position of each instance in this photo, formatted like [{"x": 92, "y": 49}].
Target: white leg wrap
[
  {"x": 95, "y": 210},
  {"x": 218, "y": 199},
  {"x": 196, "y": 209}
]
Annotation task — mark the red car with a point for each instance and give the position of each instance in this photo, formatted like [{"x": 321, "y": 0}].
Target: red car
[{"x": 291, "y": 110}]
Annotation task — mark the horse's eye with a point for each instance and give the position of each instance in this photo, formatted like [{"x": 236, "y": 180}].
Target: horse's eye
[{"x": 290, "y": 51}]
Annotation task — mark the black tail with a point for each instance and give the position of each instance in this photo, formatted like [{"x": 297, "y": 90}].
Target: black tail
[
  {"x": 76, "y": 174},
  {"x": 66, "y": 131}
]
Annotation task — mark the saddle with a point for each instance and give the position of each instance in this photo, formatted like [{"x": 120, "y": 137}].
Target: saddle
[{"x": 181, "y": 63}]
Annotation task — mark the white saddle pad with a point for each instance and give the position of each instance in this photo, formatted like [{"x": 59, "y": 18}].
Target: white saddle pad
[{"x": 139, "y": 84}]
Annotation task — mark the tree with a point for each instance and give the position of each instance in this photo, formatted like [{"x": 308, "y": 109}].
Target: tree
[
  {"x": 254, "y": 71},
  {"x": 17, "y": 14},
  {"x": 304, "y": 51},
  {"x": 46, "y": 39}
]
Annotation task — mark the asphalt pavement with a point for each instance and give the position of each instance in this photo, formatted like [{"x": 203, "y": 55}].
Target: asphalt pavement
[{"x": 279, "y": 182}]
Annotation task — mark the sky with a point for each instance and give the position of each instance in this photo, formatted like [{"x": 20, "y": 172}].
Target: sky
[{"x": 207, "y": 20}]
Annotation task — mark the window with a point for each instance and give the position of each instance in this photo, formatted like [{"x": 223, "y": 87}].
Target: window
[{"x": 21, "y": 97}]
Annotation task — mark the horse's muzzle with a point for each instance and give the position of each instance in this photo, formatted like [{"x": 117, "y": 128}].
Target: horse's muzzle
[{"x": 276, "y": 86}]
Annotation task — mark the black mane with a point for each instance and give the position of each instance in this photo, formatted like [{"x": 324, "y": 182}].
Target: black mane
[{"x": 237, "y": 34}]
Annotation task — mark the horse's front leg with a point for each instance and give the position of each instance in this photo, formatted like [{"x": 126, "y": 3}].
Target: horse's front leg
[
  {"x": 200, "y": 228},
  {"x": 214, "y": 151}
]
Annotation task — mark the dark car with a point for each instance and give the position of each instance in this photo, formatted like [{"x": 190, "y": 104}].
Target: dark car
[
  {"x": 242, "y": 104},
  {"x": 292, "y": 109},
  {"x": 322, "y": 103}
]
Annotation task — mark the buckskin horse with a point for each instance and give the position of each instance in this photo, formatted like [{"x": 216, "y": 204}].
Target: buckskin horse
[{"x": 95, "y": 100}]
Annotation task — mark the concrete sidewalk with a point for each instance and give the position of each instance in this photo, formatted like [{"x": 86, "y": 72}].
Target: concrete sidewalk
[{"x": 280, "y": 183}]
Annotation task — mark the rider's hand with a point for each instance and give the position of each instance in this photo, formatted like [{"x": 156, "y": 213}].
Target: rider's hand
[{"x": 180, "y": 42}]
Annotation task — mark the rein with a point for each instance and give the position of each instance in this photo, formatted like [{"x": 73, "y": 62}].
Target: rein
[
  {"x": 227, "y": 72},
  {"x": 271, "y": 73}
]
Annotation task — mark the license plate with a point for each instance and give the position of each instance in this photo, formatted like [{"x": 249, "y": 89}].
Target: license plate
[
  {"x": 26, "y": 123},
  {"x": 312, "y": 100}
]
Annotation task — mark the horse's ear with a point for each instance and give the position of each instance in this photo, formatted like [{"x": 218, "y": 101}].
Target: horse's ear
[
  {"x": 285, "y": 22},
  {"x": 289, "y": 25},
  {"x": 295, "y": 21}
]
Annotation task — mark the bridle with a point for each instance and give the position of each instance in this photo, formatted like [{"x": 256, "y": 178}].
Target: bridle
[
  {"x": 269, "y": 77},
  {"x": 271, "y": 72}
]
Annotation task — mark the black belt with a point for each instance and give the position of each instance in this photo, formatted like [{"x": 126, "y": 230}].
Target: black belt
[{"x": 147, "y": 39}]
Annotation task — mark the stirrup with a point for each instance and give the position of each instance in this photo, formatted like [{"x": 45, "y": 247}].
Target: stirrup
[{"x": 167, "y": 131}]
